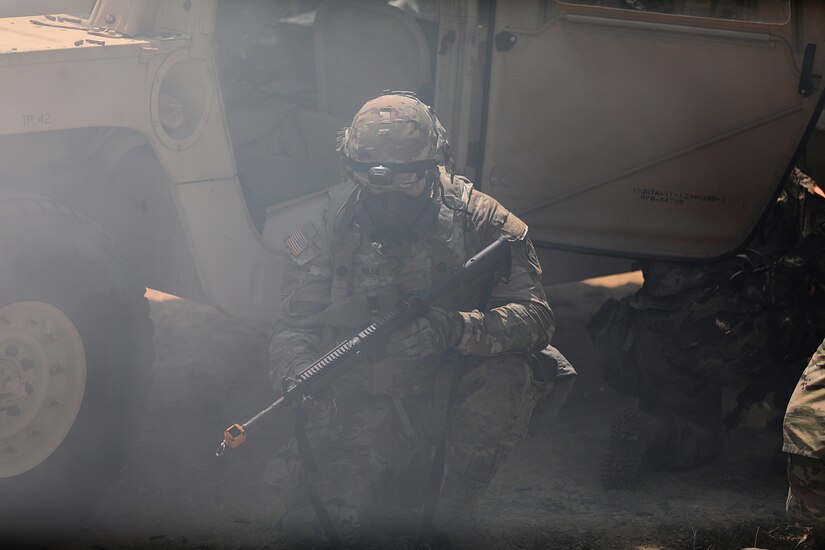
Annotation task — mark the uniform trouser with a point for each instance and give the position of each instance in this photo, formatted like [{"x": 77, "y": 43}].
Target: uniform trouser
[
  {"x": 806, "y": 493},
  {"x": 375, "y": 461}
]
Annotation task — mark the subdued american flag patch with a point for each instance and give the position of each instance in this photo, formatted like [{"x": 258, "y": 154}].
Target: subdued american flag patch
[{"x": 296, "y": 243}]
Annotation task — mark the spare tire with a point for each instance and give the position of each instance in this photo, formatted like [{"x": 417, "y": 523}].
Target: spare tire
[{"x": 76, "y": 348}]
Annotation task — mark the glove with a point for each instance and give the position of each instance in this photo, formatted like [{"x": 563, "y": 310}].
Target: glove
[
  {"x": 320, "y": 407},
  {"x": 321, "y": 410},
  {"x": 432, "y": 334}
]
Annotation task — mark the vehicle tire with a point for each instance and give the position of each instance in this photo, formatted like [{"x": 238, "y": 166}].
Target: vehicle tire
[{"x": 76, "y": 348}]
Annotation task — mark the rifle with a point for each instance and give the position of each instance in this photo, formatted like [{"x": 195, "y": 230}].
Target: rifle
[{"x": 329, "y": 365}]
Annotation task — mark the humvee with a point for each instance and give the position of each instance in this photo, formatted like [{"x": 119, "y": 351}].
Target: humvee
[{"x": 174, "y": 144}]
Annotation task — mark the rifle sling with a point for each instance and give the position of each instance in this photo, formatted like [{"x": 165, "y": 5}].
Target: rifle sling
[
  {"x": 311, "y": 468},
  {"x": 439, "y": 459}
]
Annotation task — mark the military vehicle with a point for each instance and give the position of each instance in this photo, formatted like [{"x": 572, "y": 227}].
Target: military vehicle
[{"x": 174, "y": 145}]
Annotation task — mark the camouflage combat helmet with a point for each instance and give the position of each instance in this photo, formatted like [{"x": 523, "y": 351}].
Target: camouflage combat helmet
[{"x": 397, "y": 132}]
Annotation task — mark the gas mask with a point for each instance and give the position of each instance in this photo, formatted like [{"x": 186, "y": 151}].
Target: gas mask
[{"x": 386, "y": 213}]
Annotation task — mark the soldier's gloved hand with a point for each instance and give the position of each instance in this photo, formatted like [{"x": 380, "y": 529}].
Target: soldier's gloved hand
[
  {"x": 320, "y": 407},
  {"x": 432, "y": 334}
]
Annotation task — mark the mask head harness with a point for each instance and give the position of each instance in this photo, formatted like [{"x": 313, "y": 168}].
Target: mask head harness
[{"x": 384, "y": 174}]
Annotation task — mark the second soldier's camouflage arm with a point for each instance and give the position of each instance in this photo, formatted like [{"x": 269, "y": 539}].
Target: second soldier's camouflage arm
[{"x": 520, "y": 318}]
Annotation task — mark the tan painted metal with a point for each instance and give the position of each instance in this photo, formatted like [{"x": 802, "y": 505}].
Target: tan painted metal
[
  {"x": 67, "y": 78},
  {"x": 607, "y": 130},
  {"x": 459, "y": 78},
  {"x": 11, "y": 8},
  {"x": 645, "y": 134}
]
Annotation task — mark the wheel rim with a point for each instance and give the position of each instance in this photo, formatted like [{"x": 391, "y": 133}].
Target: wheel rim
[{"x": 42, "y": 382}]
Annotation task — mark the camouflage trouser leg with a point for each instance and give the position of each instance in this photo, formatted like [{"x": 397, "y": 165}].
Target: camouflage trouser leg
[
  {"x": 375, "y": 460},
  {"x": 492, "y": 408},
  {"x": 806, "y": 495},
  {"x": 357, "y": 456}
]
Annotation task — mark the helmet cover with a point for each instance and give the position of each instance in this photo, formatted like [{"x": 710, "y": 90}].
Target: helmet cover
[{"x": 394, "y": 129}]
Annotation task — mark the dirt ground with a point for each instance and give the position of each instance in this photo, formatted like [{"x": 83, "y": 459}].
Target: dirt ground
[{"x": 210, "y": 373}]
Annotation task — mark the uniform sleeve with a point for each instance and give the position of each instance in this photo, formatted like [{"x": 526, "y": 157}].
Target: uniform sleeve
[
  {"x": 804, "y": 422},
  {"x": 519, "y": 318},
  {"x": 305, "y": 295}
]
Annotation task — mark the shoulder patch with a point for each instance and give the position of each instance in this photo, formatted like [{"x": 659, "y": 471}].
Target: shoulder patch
[
  {"x": 296, "y": 243},
  {"x": 300, "y": 246}
]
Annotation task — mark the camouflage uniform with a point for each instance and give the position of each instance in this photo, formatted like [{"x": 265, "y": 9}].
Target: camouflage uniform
[
  {"x": 804, "y": 440},
  {"x": 804, "y": 422},
  {"x": 375, "y": 452}
]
